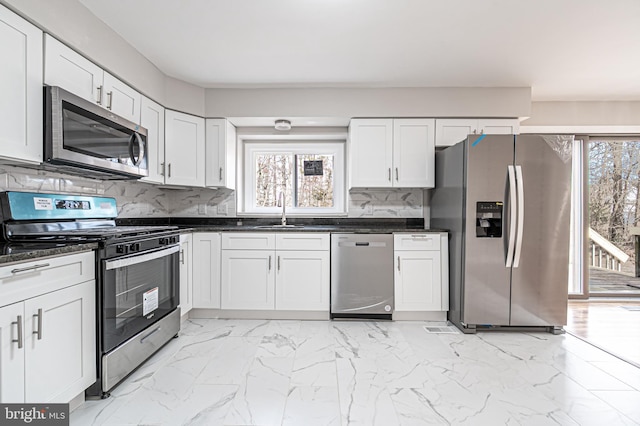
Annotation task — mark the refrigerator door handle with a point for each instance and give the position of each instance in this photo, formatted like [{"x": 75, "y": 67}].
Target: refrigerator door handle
[
  {"x": 520, "y": 186},
  {"x": 512, "y": 219}
]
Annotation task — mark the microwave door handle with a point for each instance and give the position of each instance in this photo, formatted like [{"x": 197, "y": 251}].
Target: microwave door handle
[
  {"x": 138, "y": 140},
  {"x": 134, "y": 260}
]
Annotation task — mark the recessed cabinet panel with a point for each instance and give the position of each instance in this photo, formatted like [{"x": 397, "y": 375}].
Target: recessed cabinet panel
[
  {"x": 20, "y": 88},
  {"x": 152, "y": 119},
  {"x": 186, "y": 274},
  {"x": 184, "y": 149},
  {"x": 221, "y": 154},
  {"x": 12, "y": 349},
  {"x": 206, "y": 270},
  {"x": 248, "y": 279},
  {"x": 371, "y": 152},
  {"x": 73, "y": 72},
  {"x": 413, "y": 153},
  {"x": 121, "y": 99},
  {"x": 302, "y": 280},
  {"x": 418, "y": 281}
]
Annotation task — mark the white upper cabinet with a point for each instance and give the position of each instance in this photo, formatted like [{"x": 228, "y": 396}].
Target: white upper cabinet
[
  {"x": 450, "y": 131},
  {"x": 220, "y": 153},
  {"x": 152, "y": 119},
  {"x": 121, "y": 99},
  {"x": 73, "y": 72},
  {"x": 388, "y": 153},
  {"x": 20, "y": 88},
  {"x": 184, "y": 149}
]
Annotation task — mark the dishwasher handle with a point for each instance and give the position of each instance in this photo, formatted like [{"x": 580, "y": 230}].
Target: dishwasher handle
[{"x": 362, "y": 244}]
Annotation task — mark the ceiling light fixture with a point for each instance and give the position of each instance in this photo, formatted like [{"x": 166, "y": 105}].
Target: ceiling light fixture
[{"x": 283, "y": 125}]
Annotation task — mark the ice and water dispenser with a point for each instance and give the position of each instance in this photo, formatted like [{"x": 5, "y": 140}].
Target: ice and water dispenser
[{"x": 489, "y": 219}]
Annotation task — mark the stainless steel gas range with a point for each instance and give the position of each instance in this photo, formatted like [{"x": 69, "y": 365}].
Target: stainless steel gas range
[{"x": 137, "y": 268}]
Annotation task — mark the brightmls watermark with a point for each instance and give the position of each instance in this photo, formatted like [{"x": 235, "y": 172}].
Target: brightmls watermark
[{"x": 34, "y": 414}]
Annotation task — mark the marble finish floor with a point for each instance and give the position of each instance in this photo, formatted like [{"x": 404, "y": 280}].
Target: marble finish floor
[{"x": 250, "y": 372}]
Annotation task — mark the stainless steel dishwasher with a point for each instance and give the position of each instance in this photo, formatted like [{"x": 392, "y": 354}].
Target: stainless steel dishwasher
[{"x": 362, "y": 276}]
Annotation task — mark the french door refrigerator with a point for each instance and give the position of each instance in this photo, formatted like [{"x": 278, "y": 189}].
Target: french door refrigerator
[{"x": 506, "y": 201}]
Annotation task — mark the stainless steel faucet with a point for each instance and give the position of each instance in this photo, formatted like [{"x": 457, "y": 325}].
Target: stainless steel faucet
[{"x": 282, "y": 203}]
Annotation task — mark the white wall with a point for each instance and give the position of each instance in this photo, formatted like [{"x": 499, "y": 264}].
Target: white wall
[
  {"x": 369, "y": 102},
  {"x": 73, "y": 24},
  {"x": 583, "y": 117}
]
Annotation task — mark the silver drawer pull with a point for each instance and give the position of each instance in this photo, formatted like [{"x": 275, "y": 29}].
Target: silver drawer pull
[
  {"x": 149, "y": 335},
  {"x": 418, "y": 236},
  {"x": 29, "y": 268},
  {"x": 19, "y": 339},
  {"x": 38, "y": 332},
  {"x": 398, "y": 263}
]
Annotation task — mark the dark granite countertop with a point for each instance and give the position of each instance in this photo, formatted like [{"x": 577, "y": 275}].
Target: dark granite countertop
[
  {"x": 247, "y": 224},
  {"x": 11, "y": 253}
]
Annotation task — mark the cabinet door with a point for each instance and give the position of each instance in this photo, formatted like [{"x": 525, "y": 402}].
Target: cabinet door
[
  {"x": 121, "y": 99},
  {"x": 184, "y": 149},
  {"x": 248, "y": 279},
  {"x": 302, "y": 280},
  {"x": 152, "y": 119},
  {"x": 206, "y": 270},
  {"x": 418, "y": 281},
  {"x": 60, "y": 357},
  {"x": 186, "y": 274},
  {"x": 414, "y": 153},
  {"x": 371, "y": 152},
  {"x": 451, "y": 131},
  {"x": 11, "y": 355},
  {"x": 73, "y": 72},
  {"x": 221, "y": 154},
  {"x": 21, "y": 88},
  {"x": 497, "y": 126}
]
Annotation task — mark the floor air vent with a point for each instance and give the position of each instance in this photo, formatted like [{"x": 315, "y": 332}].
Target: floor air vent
[{"x": 441, "y": 330}]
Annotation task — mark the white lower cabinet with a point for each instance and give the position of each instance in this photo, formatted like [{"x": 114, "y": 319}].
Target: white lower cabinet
[
  {"x": 186, "y": 274},
  {"x": 421, "y": 279},
  {"x": 206, "y": 270},
  {"x": 48, "y": 341},
  {"x": 302, "y": 279},
  {"x": 248, "y": 279},
  {"x": 283, "y": 271}
]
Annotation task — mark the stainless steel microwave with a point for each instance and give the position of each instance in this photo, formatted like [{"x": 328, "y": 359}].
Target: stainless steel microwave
[{"x": 84, "y": 138}]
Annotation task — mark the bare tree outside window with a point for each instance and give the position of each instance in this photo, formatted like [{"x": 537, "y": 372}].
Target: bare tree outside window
[
  {"x": 614, "y": 191},
  {"x": 273, "y": 175},
  {"x": 315, "y": 190}
]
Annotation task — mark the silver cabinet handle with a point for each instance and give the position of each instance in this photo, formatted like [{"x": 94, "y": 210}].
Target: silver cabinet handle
[
  {"x": 398, "y": 263},
  {"x": 182, "y": 257},
  {"x": 29, "y": 268},
  {"x": 519, "y": 238},
  {"x": 162, "y": 172},
  {"x": 99, "y": 101},
  {"x": 396, "y": 173},
  {"x": 512, "y": 219},
  {"x": 278, "y": 263},
  {"x": 109, "y": 100},
  {"x": 38, "y": 332},
  {"x": 389, "y": 174},
  {"x": 19, "y": 339},
  {"x": 169, "y": 169},
  {"x": 220, "y": 174},
  {"x": 269, "y": 262}
]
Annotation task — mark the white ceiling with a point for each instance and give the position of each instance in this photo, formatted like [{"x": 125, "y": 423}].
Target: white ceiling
[{"x": 562, "y": 49}]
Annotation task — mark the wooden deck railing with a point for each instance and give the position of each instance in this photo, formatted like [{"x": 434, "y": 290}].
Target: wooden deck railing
[{"x": 604, "y": 254}]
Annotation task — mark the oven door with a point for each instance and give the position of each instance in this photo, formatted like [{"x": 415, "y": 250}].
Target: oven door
[{"x": 137, "y": 291}]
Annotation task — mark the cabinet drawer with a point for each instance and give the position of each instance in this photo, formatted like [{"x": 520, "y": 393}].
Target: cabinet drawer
[
  {"x": 302, "y": 241},
  {"x": 416, "y": 241},
  {"x": 21, "y": 281},
  {"x": 248, "y": 241}
]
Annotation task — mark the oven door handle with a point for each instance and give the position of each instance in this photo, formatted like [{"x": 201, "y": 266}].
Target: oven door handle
[{"x": 134, "y": 260}]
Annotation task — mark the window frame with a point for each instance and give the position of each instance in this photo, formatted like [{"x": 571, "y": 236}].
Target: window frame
[{"x": 252, "y": 147}]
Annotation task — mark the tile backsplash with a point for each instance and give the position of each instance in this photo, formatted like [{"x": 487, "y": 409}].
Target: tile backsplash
[{"x": 140, "y": 199}]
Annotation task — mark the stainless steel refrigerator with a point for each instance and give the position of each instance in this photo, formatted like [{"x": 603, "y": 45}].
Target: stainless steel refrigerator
[{"x": 506, "y": 201}]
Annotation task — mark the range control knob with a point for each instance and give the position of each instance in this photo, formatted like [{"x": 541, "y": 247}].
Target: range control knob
[
  {"x": 121, "y": 248},
  {"x": 163, "y": 241},
  {"x": 134, "y": 247}
]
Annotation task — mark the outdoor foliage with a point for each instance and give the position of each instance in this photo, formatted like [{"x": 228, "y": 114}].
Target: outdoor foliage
[
  {"x": 275, "y": 174},
  {"x": 614, "y": 190}
]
